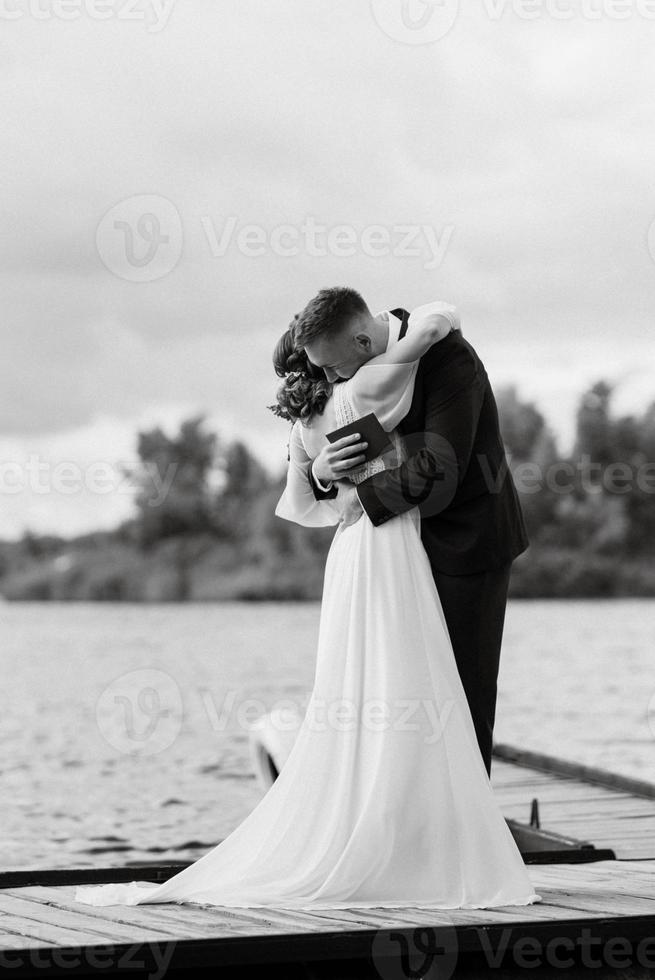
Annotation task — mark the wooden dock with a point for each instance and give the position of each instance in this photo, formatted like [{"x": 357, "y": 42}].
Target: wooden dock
[{"x": 598, "y": 912}]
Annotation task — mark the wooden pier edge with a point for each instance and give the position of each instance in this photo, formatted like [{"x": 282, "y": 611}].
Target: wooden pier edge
[
  {"x": 576, "y": 770},
  {"x": 461, "y": 945}
]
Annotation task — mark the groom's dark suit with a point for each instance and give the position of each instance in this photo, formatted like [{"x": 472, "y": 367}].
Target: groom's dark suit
[{"x": 472, "y": 526}]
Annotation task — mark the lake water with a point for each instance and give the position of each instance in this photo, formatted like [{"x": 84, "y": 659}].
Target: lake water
[{"x": 124, "y": 726}]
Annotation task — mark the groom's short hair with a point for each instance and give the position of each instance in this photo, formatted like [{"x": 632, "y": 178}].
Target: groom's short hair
[{"x": 327, "y": 313}]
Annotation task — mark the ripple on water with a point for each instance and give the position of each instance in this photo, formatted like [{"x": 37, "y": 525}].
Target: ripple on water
[{"x": 576, "y": 679}]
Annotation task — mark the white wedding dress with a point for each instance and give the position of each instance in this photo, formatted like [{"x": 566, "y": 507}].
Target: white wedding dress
[{"x": 384, "y": 799}]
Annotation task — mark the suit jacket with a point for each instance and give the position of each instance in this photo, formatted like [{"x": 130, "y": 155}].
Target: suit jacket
[{"x": 455, "y": 468}]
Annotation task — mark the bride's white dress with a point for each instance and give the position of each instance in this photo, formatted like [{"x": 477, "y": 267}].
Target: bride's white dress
[{"x": 384, "y": 799}]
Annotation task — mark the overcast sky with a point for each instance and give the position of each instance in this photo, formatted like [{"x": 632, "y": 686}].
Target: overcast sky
[{"x": 499, "y": 156}]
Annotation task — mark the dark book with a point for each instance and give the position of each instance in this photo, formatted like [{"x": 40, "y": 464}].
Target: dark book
[{"x": 371, "y": 432}]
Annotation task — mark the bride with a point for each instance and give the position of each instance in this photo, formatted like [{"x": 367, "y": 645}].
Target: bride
[{"x": 384, "y": 799}]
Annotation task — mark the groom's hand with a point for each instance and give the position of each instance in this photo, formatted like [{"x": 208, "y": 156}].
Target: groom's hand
[
  {"x": 348, "y": 502},
  {"x": 336, "y": 459}
]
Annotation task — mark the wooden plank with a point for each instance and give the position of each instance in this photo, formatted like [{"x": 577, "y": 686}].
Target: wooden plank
[
  {"x": 387, "y": 918},
  {"x": 316, "y": 920},
  {"x": 632, "y": 888},
  {"x": 162, "y": 929},
  {"x": 357, "y": 918},
  {"x": 548, "y": 910},
  {"x": 195, "y": 914},
  {"x": 477, "y": 917},
  {"x": 9, "y": 941},
  {"x": 562, "y": 767},
  {"x": 606, "y": 881},
  {"x": 616, "y": 823},
  {"x": 70, "y": 923},
  {"x": 52, "y": 934},
  {"x": 634, "y": 853},
  {"x": 591, "y": 832},
  {"x": 396, "y": 916},
  {"x": 362, "y": 918},
  {"x": 609, "y": 903},
  {"x": 562, "y": 813},
  {"x": 594, "y": 810},
  {"x": 184, "y": 916},
  {"x": 78, "y": 919},
  {"x": 525, "y": 780},
  {"x": 264, "y": 920},
  {"x": 326, "y": 919},
  {"x": 571, "y": 801},
  {"x": 570, "y": 796},
  {"x": 603, "y": 887}
]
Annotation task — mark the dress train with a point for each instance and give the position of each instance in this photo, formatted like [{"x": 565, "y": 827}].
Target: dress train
[{"x": 384, "y": 799}]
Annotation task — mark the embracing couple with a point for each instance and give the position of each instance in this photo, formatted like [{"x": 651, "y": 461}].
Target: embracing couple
[{"x": 376, "y": 811}]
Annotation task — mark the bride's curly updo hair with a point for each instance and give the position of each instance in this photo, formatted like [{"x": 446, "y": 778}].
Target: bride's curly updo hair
[{"x": 305, "y": 389}]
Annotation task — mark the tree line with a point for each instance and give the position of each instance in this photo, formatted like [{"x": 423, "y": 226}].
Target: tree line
[{"x": 204, "y": 524}]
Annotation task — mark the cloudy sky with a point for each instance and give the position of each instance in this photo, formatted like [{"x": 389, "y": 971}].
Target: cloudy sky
[{"x": 180, "y": 177}]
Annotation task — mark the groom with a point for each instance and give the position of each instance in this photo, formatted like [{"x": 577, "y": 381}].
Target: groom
[{"x": 455, "y": 470}]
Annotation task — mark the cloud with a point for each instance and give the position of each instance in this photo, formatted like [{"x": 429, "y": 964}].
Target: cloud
[{"x": 529, "y": 140}]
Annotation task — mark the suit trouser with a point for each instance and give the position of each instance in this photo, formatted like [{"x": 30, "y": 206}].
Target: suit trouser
[{"x": 474, "y": 609}]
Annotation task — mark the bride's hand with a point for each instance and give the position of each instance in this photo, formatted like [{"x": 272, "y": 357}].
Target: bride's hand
[
  {"x": 338, "y": 458},
  {"x": 348, "y": 502}
]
